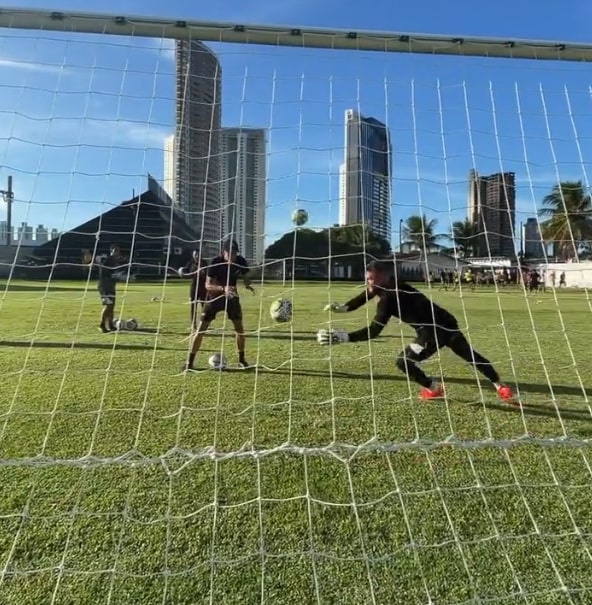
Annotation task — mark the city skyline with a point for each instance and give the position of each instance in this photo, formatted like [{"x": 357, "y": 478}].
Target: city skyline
[
  {"x": 114, "y": 105},
  {"x": 26, "y": 234}
]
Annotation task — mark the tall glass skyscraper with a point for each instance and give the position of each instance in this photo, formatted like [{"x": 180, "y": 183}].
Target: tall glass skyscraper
[{"x": 365, "y": 175}]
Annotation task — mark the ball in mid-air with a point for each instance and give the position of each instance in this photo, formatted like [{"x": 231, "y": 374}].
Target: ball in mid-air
[
  {"x": 300, "y": 217},
  {"x": 217, "y": 361},
  {"x": 281, "y": 310},
  {"x": 131, "y": 324}
]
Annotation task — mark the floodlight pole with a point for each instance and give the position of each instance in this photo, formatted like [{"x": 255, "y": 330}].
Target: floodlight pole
[{"x": 8, "y": 197}]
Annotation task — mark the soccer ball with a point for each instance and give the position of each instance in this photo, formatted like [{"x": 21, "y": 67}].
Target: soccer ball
[
  {"x": 120, "y": 325},
  {"x": 281, "y": 310},
  {"x": 300, "y": 217},
  {"x": 217, "y": 361},
  {"x": 131, "y": 324}
]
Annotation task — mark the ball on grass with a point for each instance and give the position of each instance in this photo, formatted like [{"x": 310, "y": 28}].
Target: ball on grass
[
  {"x": 300, "y": 217},
  {"x": 120, "y": 325},
  {"x": 217, "y": 361},
  {"x": 131, "y": 324},
  {"x": 281, "y": 310}
]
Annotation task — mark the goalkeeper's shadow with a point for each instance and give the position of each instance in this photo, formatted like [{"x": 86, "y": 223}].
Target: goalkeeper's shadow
[{"x": 524, "y": 387}]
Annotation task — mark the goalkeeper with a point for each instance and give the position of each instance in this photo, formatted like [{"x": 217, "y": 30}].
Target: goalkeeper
[{"x": 434, "y": 326}]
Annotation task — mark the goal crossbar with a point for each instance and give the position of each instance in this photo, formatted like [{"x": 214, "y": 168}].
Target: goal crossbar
[{"x": 278, "y": 35}]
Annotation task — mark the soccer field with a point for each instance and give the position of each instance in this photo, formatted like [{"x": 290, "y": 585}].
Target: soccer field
[{"x": 316, "y": 477}]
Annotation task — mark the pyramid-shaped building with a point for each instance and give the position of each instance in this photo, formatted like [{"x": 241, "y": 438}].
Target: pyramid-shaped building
[{"x": 148, "y": 228}]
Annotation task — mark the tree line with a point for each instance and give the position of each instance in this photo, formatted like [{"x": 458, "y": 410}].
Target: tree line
[{"x": 565, "y": 220}]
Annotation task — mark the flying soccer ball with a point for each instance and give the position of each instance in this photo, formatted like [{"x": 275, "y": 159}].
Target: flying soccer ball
[
  {"x": 300, "y": 217},
  {"x": 217, "y": 361},
  {"x": 131, "y": 324},
  {"x": 281, "y": 310}
]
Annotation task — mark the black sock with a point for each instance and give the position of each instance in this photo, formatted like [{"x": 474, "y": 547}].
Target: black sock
[
  {"x": 241, "y": 356},
  {"x": 191, "y": 359}
]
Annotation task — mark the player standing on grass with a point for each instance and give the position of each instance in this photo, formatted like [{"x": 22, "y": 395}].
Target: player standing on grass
[
  {"x": 197, "y": 289},
  {"x": 222, "y": 277},
  {"x": 109, "y": 274},
  {"x": 434, "y": 326}
]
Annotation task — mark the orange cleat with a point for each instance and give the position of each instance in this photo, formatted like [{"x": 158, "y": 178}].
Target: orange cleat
[
  {"x": 437, "y": 392},
  {"x": 505, "y": 393}
]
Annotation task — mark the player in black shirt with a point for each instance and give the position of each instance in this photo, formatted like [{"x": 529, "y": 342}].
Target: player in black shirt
[
  {"x": 222, "y": 277},
  {"x": 197, "y": 289},
  {"x": 110, "y": 271},
  {"x": 434, "y": 326}
]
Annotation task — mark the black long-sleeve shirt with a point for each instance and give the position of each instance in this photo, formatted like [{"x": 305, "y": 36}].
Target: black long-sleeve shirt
[
  {"x": 110, "y": 270},
  {"x": 403, "y": 301}
]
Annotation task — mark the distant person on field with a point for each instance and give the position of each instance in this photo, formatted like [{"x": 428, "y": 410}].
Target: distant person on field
[
  {"x": 195, "y": 270},
  {"x": 435, "y": 328},
  {"x": 111, "y": 270}
]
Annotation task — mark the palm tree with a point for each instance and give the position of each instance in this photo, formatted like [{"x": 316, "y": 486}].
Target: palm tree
[
  {"x": 420, "y": 233},
  {"x": 465, "y": 236},
  {"x": 568, "y": 208}
]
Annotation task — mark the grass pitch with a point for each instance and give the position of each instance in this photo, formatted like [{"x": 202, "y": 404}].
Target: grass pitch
[{"x": 316, "y": 477}]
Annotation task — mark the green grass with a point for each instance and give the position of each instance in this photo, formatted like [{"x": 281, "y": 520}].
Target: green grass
[{"x": 317, "y": 478}]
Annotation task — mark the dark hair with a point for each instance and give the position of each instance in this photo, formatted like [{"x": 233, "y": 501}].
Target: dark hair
[
  {"x": 384, "y": 267},
  {"x": 230, "y": 246}
]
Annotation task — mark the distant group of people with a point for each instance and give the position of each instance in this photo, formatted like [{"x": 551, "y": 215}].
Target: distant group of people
[{"x": 533, "y": 279}]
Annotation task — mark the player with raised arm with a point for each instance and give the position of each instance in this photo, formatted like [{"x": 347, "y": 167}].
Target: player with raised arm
[
  {"x": 222, "y": 277},
  {"x": 197, "y": 289},
  {"x": 434, "y": 326},
  {"x": 110, "y": 272}
]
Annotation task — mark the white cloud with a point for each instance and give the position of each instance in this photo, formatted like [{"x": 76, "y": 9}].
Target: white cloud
[{"x": 31, "y": 66}]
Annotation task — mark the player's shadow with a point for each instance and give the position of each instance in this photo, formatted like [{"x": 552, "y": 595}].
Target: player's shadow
[
  {"x": 525, "y": 387},
  {"x": 45, "y": 344},
  {"x": 11, "y": 287},
  {"x": 542, "y": 411}
]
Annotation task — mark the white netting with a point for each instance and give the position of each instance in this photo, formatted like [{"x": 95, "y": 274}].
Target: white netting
[{"x": 316, "y": 476}]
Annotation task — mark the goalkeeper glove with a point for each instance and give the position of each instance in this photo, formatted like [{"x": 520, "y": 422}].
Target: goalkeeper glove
[
  {"x": 332, "y": 337},
  {"x": 336, "y": 308}
]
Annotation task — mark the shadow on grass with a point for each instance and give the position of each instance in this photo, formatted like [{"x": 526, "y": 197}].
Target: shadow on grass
[
  {"x": 14, "y": 287},
  {"x": 44, "y": 344},
  {"x": 525, "y": 387},
  {"x": 541, "y": 411}
]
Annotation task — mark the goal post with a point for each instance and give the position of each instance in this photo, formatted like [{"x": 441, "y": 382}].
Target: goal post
[{"x": 315, "y": 475}]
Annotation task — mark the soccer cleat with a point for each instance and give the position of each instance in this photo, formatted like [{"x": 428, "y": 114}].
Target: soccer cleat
[
  {"x": 187, "y": 367},
  {"x": 243, "y": 363},
  {"x": 505, "y": 393},
  {"x": 436, "y": 392},
  {"x": 103, "y": 329}
]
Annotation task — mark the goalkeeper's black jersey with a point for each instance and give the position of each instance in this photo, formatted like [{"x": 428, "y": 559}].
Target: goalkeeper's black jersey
[{"x": 405, "y": 302}]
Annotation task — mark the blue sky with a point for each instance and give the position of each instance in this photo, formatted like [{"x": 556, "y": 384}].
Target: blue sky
[{"x": 83, "y": 118}]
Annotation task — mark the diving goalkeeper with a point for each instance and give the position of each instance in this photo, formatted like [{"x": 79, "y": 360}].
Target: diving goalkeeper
[{"x": 434, "y": 326}]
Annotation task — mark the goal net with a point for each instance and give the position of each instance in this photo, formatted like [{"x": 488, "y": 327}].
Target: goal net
[{"x": 315, "y": 475}]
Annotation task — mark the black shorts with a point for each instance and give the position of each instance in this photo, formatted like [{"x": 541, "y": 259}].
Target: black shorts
[
  {"x": 430, "y": 338},
  {"x": 231, "y": 306},
  {"x": 107, "y": 296}
]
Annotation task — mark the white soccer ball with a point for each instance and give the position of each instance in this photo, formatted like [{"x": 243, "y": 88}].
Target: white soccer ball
[
  {"x": 120, "y": 325},
  {"x": 281, "y": 310},
  {"x": 300, "y": 217},
  {"x": 217, "y": 361},
  {"x": 131, "y": 324}
]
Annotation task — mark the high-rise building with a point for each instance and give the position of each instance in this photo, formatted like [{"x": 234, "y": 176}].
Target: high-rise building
[
  {"x": 365, "y": 177},
  {"x": 41, "y": 234},
  {"x": 196, "y": 170},
  {"x": 54, "y": 233},
  {"x": 243, "y": 189},
  {"x": 4, "y": 233},
  {"x": 169, "y": 166},
  {"x": 25, "y": 234},
  {"x": 534, "y": 245},
  {"x": 492, "y": 209}
]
